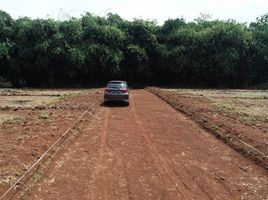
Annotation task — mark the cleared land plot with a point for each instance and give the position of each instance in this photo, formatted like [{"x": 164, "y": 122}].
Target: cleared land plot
[
  {"x": 15, "y": 99},
  {"x": 235, "y": 116},
  {"x": 249, "y": 105},
  {"x": 30, "y": 121},
  {"x": 37, "y": 92},
  {"x": 146, "y": 150},
  {"x": 149, "y": 151},
  {"x": 26, "y": 101}
]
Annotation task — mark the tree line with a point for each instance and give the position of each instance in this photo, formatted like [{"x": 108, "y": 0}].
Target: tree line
[{"x": 91, "y": 50}]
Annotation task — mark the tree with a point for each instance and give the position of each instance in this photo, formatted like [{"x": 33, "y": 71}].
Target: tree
[
  {"x": 259, "y": 50},
  {"x": 92, "y": 50}
]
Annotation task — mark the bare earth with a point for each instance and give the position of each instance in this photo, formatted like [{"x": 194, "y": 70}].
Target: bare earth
[
  {"x": 26, "y": 132},
  {"x": 149, "y": 151},
  {"x": 232, "y": 117}
]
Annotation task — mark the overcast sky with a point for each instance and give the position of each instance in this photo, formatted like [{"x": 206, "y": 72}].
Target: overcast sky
[{"x": 240, "y": 10}]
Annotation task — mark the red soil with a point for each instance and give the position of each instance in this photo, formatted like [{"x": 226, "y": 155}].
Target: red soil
[{"x": 148, "y": 151}]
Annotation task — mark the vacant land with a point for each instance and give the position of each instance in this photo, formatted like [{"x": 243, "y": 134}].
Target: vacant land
[
  {"x": 30, "y": 121},
  {"x": 147, "y": 150},
  {"x": 238, "y": 117},
  {"x": 248, "y": 105}
]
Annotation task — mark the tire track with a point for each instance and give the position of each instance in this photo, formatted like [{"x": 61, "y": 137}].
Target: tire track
[
  {"x": 176, "y": 189},
  {"x": 108, "y": 192}
]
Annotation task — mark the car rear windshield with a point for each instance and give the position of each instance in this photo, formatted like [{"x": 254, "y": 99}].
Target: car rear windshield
[{"x": 116, "y": 85}]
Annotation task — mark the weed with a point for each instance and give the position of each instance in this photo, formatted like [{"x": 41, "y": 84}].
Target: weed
[
  {"x": 12, "y": 120},
  {"x": 43, "y": 115},
  {"x": 63, "y": 97},
  {"x": 215, "y": 127},
  {"x": 38, "y": 175},
  {"x": 221, "y": 105},
  {"x": 231, "y": 110},
  {"x": 6, "y": 180}
]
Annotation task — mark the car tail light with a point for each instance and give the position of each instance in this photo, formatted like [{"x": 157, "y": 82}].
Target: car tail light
[
  {"x": 124, "y": 91},
  {"x": 106, "y": 90}
]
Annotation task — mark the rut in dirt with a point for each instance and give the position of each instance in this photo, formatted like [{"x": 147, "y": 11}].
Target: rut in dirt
[{"x": 149, "y": 151}]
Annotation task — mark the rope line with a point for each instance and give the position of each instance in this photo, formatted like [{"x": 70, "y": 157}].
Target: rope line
[{"x": 248, "y": 145}]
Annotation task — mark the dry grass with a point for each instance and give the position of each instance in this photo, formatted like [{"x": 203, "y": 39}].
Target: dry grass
[
  {"x": 250, "y": 110},
  {"x": 247, "y": 94},
  {"x": 30, "y": 98},
  {"x": 250, "y": 105},
  {"x": 6, "y": 117},
  {"x": 37, "y": 92},
  {"x": 26, "y": 101},
  {"x": 16, "y": 98}
]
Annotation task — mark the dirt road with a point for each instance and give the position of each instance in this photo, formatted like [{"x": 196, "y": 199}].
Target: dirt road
[{"x": 149, "y": 151}]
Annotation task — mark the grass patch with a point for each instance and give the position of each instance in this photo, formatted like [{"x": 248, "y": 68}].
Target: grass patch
[
  {"x": 253, "y": 94},
  {"x": 26, "y": 101},
  {"x": 252, "y": 117},
  {"x": 7, "y": 180},
  {"x": 11, "y": 119},
  {"x": 43, "y": 116},
  {"x": 248, "y": 105},
  {"x": 5, "y": 117},
  {"x": 215, "y": 127},
  {"x": 38, "y": 175},
  {"x": 15, "y": 98},
  {"x": 233, "y": 110}
]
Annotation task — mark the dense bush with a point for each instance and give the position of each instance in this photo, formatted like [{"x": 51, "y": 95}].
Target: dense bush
[{"x": 91, "y": 50}]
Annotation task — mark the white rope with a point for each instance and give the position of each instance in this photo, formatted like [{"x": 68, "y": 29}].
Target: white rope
[
  {"x": 252, "y": 148},
  {"x": 46, "y": 152}
]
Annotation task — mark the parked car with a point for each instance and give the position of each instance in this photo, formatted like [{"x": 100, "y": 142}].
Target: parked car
[{"x": 117, "y": 91}]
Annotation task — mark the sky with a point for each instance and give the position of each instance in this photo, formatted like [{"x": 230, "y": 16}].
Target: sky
[{"x": 160, "y": 10}]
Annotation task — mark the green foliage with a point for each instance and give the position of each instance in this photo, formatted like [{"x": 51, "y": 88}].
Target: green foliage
[
  {"x": 4, "y": 83},
  {"x": 6, "y": 26},
  {"x": 4, "y": 50},
  {"x": 259, "y": 49},
  {"x": 91, "y": 50},
  {"x": 263, "y": 86}
]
